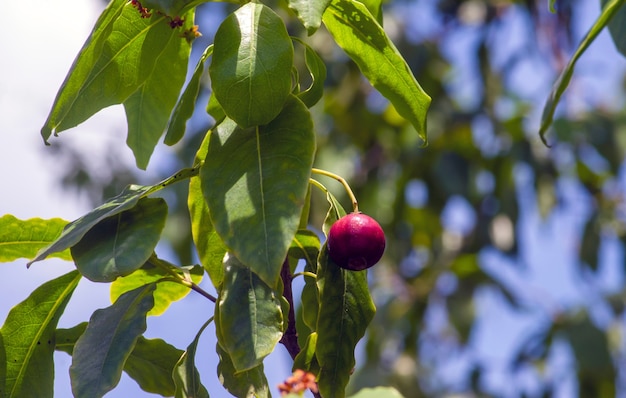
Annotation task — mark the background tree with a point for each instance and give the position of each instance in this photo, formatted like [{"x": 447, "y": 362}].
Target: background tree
[{"x": 456, "y": 213}]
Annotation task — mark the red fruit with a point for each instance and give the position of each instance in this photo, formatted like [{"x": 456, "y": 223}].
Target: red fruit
[{"x": 356, "y": 242}]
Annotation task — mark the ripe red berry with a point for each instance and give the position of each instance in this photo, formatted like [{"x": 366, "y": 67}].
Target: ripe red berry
[{"x": 356, "y": 242}]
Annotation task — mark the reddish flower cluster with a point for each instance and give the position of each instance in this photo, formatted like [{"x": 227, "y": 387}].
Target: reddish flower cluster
[
  {"x": 176, "y": 22},
  {"x": 298, "y": 383},
  {"x": 145, "y": 13}
]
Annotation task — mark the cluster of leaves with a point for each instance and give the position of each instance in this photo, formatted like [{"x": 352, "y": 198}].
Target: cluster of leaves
[
  {"x": 251, "y": 208},
  {"x": 249, "y": 190}
]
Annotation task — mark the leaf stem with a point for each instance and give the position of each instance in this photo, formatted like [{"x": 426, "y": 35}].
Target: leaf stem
[
  {"x": 355, "y": 203},
  {"x": 304, "y": 273},
  {"x": 167, "y": 267}
]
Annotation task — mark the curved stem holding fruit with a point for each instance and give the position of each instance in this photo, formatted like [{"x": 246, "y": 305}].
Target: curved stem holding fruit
[
  {"x": 304, "y": 273},
  {"x": 355, "y": 203}
]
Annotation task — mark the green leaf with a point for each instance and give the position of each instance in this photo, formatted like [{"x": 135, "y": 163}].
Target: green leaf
[
  {"x": 364, "y": 40},
  {"x": 214, "y": 109},
  {"x": 617, "y": 27},
  {"x": 75, "y": 230},
  {"x": 119, "y": 245},
  {"x": 378, "y": 392},
  {"x": 101, "y": 352},
  {"x": 251, "y": 66},
  {"x": 148, "y": 364},
  {"x": 247, "y": 384},
  {"x": 250, "y": 316},
  {"x": 255, "y": 182},
  {"x": 211, "y": 249},
  {"x": 309, "y": 12},
  {"x": 66, "y": 339},
  {"x": 23, "y": 238},
  {"x": 310, "y": 298},
  {"x": 609, "y": 10},
  {"x": 186, "y": 103},
  {"x": 185, "y": 375},
  {"x": 346, "y": 308},
  {"x": 305, "y": 359},
  {"x": 167, "y": 289},
  {"x": 28, "y": 335},
  {"x": 140, "y": 62},
  {"x": 317, "y": 70},
  {"x": 306, "y": 246},
  {"x": 149, "y": 107},
  {"x": 86, "y": 89},
  {"x": 151, "y": 364}
]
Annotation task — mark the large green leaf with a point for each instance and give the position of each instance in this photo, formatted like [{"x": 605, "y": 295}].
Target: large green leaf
[
  {"x": 28, "y": 335},
  {"x": 185, "y": 374},
  {"x": 305, "y": 359},
  {"x": 247, "y": 384},
  {"x": 75, "y": 230},
  {"x": 255, "y": 182},
  {"x": 209, "y": 245},
  {"x": 24, "y": 238},
  {"x": 617, "y": 27},
  {"x": 148, "y": 108},
  {"x": 151, "y": 364},
  {"x": 345, "y": 310},
  {"x": 309, "y": 12},
  {"x": 356, "y": 30},
  {"x": 251, "y": 66},
  {"x": 140, "y": 62},
  {"x": 167, "y": 290},
  {"x": 119, "y": 245},
  {"x": 250, "y": 320},
  {"x": 610, "y": 9},
  {"x": 86, "y": 90},
  {"x": 186, "y": 103},
  {"x": 102, "y": 350}
]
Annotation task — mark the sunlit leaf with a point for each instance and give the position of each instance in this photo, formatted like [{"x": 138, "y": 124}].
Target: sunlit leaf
[
  {"x": 211, "y": 249},
  {"x": 610, "y": 9},
  {"x": 101, "y": 352},
  {"x": 250, "y": 316},
  {"x": 149, "y": 107},
  {"x": 151, "y": 364},
  {"x": 167, "y": 291},
  {"x": 251, "y": 66},
  {"x": 75, "y": 230},
  {"x": 28, "y": 335},
  {"x": 120, "y": 244},
  {"x": 3, "y": 367},
  {"x": 140, "y": 62},
  {"x": 186, "y": 103},
  {"x": 24, "y": 238},
  {"x": 255, "y": 181},
  {"x": 346, "y": 309},
  {"x": 249, "y": 383},
  {"x": 356, "y": 30},
  {"x": 309, "y": 12},
  {"x": 185, "y": 375}
]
